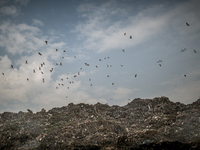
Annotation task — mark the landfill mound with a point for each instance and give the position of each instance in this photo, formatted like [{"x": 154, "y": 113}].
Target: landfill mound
[{"x": 141, "y": 124}]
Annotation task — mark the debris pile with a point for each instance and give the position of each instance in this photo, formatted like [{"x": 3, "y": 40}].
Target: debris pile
[{"x": 141, "y": 124}]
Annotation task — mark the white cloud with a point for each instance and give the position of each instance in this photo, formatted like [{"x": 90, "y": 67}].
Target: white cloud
[{"x": 9, "y": 10}]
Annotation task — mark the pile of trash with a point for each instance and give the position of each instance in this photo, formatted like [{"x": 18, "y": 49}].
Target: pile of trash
[{"x": 141, "y": 124}]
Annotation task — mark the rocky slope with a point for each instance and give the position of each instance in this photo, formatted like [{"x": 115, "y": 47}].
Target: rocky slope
[{"x": 141, "y": 124}]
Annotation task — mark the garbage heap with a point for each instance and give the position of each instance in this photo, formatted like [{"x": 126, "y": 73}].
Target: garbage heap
[{"x": 141, "y": 124}]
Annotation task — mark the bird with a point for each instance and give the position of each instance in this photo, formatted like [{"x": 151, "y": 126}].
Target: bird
[
  {"x": 26, "y": 62},
  {"x": 112, "y": 83},
  {"x": 185, "y": 75},
  {"x": 78, "y": 73},
  {"x": 159, "y": 61},
  {"x": 64, "y": 51},
  {"x": 11, "y": 66},
  {"x": 56, "y": 50},
  {"x": 63, "y": 57},
  {"x": 108, "y": 76},
  {"x": 123, "y": 50},
  {"x": 108, "y": 57},
  {"x": 75, "y": 76},
  {"x": 42, "y": 72},
  {"x": 66, "y": 97},
  {"x": 59, "y": 84},
  {"x": 90, "y": 84},
  {"x": 96, "y": 66},
  {"x": 43, "y": 80},
  {"x": 62, "y": 84},
  {"x": 56, "y": 87},
  {"x": 72, "y": 81},
  {"x": 130, "y": 36},
  {"x": 67, "y": 78},
  {"x": 3, "y": 74},
  {"x": 124, "y": 34},
  {"x": 160, "y": 65},
  {"x": 56, "y": 63},
  {"x": 110, "y": 65},
  {"x": 99, "y": 59},
  {"x": 104, "y": 58},
  {"x": 107, "y": 65},
  {"x": 46, "y": 42},
  {"x": 39, "y": 53},
  {"x": 39, "y": 68},
  {"x": 43, "y": 63},
  {"x": 121, "y": 65},
  {"x": 74, "y": 56},
  {"x": 68, "y": 87},
  {"x": 27, "y": 79},
  {"x": 135, "y": 75},
  {"x": 89, "y": 79},
  {"x": 61, "y": 64},
  {"x": 62, "y": 79},
  {"x": 195, "y": 51},
  {"x": 80, "y": 68},
  {"x": 187, "y": 24},
  {"x": 182, "y": 50},
  {"x": 33, "y": 70}
]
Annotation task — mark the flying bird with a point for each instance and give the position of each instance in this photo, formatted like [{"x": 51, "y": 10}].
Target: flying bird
[
  {"x": 56, "y": 87},
  {"x": 121, "y": 65},
  {"x": 26, "y": 62},
  {"x": 43, "y": 63},
  {"x": 90, "y": 84},
  {"x": 33, "y": 70},
  {"x": 185, "y": 75},
  {"x": 108, "y": 57},
  {"x": 42, "y": 72},
  {"x": 80, "y": 68},
  {"x": 160, "y": 65},
  {"x": 182, "y": 50},
  {"x": 61, "y": 64},
  {"x": 135, "y": 75},
  {"x": 89, "y": 79},
  {"x": 68, "y": 87},
  {"x": 62, "y": 79},
  {"x": 99, "y": 59},
  {"x": 195, "y": 51},
  {"x": 11, "y": 66},
  {"x": 43, "y": 80},
  {"x": 3, "y": 74},
  {"x": 27, "y": 79},
  {"x": 124, "y": 34},
  {"x": 56, "y": 63},
  {"x": 74, "y": 56},
  {"x": 39, "y": 53},
  {"x": 56, "y": 50},
  {"x": 159, "y": 61},
  {"x": 112, "y": 83},
  {"x": 107, "y": 75},
  {"x": 63, "y": 57},
  {"x": 123, "y": 50},
  {"x": 39, "y": 68},
  {"x": 187, "y": 24},
  {"x": 64, "y": 51},
  {"x": 46, "y": 42},
  {"x": 78, "y": 73},
  {"x": 130, "y": 36}
]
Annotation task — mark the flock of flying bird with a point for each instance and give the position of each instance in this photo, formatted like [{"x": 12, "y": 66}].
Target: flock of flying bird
[{"x": 70, "y": 82}]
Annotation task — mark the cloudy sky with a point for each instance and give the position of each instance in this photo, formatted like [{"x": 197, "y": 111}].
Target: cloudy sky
[{"x": 101, "y": 63}]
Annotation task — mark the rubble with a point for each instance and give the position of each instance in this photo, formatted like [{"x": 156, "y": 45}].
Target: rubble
[{"x": 141, "y": 124}]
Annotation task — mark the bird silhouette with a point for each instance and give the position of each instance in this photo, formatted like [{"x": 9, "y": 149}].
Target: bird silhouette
[
  {"x": 33, "y": 70},
  {"x": 56, "y": 50},
  {"x": 62, "y": 79},
  {"x": 26, "y": 62},
  {"x": 130, "y": 37},
  {"x": 43, "y": 80},
  {"x": 64, "y": 51},
  {"x": 135, "y": 75},
  {"x": 121, "y": 65},
  {"x": 11, "y": 66},
  {"x": 187, "y": 24},
  {"x": 80, "y": 68},
  {"x": 124, "y": 34},
  {"x": 3, "y": 74},
  {"x": 195, "y": 51},
  {"x": 160, "y": 65},
  {"x": 39, "y": 68},
  {"x": 61, "y": 64},
  {"x": 27, "y": 79},
  {"x": 89, "y": 79},
  {"x": 63, "y": 57},
  {"x": 182, "y": 50},
  {"x": 99, "y": 59},
  {"x": 78, "y": 73},
  {"x": 56, "y": 87},
  {"x": 42, "y": 72},
  {"x": 39, "y": 53},
  {"x": 107, "y": 75},
  {"x": 123, "y": 50},
  {"x": 159, "y": 61},
  {"x": 46, "y": 42},
  {"x": 185, "y": 75},
  {"x": 112, "y": 83},
  {"x": 75, "y": 76},
  {"x": 90, "y": 84},
  {"x": 74, "y": 56}
]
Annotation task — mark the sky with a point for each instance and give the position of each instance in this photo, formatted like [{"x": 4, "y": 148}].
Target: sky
[{"x": 108, "y": 51}]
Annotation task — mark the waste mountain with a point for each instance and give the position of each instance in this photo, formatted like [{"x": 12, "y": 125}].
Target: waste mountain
[{"x": 141, "y": 124}]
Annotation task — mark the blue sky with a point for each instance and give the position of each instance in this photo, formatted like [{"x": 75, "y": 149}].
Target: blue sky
[{"x": 90, "y": 30}]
